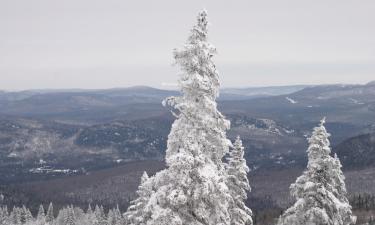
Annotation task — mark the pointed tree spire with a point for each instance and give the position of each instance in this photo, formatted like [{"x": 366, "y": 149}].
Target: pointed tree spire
[
  {"x": 237, "y": 170},
  {"x": 200, "y": 30},
  {"x": 41, "y": 217},
  {"x": 192, "y": 190},
  {"x": 238, "y": 184},
  {"x": 89, "y": 209},
  {"x": 50, "y": 216},
  {"x": 320, "y": 192}
]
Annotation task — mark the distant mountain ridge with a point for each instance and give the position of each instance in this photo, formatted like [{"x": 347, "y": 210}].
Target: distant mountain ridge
[
  {"x": 98, "y": 128},
  {"x": 227, "y": 93},
  {"x": 265, "y": 91},
  {"x": 113, "y": 103}
]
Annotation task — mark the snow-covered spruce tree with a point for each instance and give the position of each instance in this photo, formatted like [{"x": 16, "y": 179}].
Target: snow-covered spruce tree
[
  {"x": 100, "y": 217},
  {"x": 26, "y": 216},
  {"x": 41, "y": 217},
  {"x": 4, "y": 217},
  {"x": 15, "y": 216},
  {"x": 136, "y": 213},
  {"x": 90, "y": 216},
  {"x": 111, "y": 220},
  {"x": 193, "y": 190},
  {"x": 70, "y": 216},
  {"x": 238, "y": 184},
  {"x": 320, "y": 192},
  {"x": 50, "y": 215}
]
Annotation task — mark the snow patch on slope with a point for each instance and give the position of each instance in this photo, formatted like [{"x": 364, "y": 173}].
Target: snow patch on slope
[
  {"x": 355, "y": 101},
  {"x": 291, "y": 100}
]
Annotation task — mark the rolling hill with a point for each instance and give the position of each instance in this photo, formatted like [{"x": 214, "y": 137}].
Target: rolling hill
[
  {"x": 358, "y": 151},
  {"x": 94, "y": 129}
]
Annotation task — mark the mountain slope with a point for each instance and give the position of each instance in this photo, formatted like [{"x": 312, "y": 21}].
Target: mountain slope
[
  {"x": 357, "y": 152},
  {"x": 98, "y": 128}
]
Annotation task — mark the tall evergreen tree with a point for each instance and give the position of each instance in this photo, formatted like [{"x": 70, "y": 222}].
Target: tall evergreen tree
[
  {"x": 238, "y": 184},
  {"x": 320, "y": 192},
  {"x": 192, "y": 190}
]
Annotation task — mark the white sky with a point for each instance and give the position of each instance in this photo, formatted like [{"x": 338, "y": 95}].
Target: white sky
[{"x": 119, "y": 43}]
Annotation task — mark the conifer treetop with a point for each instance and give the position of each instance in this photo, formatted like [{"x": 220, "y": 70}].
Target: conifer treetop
[
  {"x": 238, "y": 184},
  {"x": 144, "y": 177},
  {"x": 236, "y": 155},
  {"x": 199, "y": 76},
  {"x": 320, "y": 191},
  {"x": 200, "y": 30},
  {"x": 319, "y": 144},
  {"x": 196, "y": 109},
  {"x": 192, "y": 189}
]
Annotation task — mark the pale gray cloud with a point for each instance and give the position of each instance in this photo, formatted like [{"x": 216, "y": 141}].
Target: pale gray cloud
[{"x": 113, "y": 43}]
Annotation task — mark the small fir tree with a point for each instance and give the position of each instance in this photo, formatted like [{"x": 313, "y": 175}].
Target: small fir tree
[
  {"x": 238, "y": 184},
  {"x": 320, "y": 192},
  {"x": 41, "y": 217},
  {"x": 70, "y": 217},
  {"x": 50, "y": 216},
  {"x": 136, "y": 214}
]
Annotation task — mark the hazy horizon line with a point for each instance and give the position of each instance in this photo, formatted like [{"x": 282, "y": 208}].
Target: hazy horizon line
[{"x": 161, "y": 87}]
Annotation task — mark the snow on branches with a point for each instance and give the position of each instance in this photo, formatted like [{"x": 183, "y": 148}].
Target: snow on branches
[
  {"x": 320, "y": 191},
  {"x": 194, "y": 187}
]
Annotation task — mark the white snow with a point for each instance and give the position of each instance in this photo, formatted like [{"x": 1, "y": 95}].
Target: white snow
[
  {"x": 291, "y": 100},
  {"x": 319, "y": 200},
  {"x": 355, "y": 101},
  {"x": 48, "y": 170},
  {"x": 13, "y": 155},
  {"x": 196, "y": 179}
]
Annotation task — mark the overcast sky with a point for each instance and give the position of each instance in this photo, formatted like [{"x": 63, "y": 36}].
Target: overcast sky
[{"x": 119, "y": 43}]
